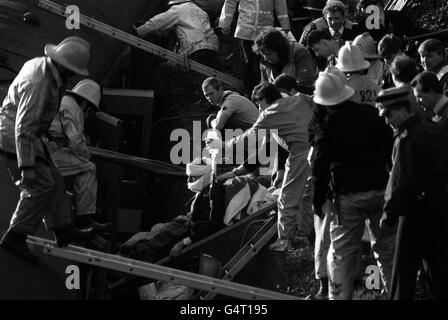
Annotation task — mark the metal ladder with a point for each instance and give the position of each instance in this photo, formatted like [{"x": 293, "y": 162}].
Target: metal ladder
[
  {"x": 149, "y": 270},
  {"x": 247, "y": 252},
  {"x": 142, "y": 44}
]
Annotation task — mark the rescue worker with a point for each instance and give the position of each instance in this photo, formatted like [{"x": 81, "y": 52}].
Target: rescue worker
[
  {"x": 289, "y": 117},
  {"x": 351, "y": 151},
  {"x": 325, "y": 47},
  {"x": 389, "y": 47},
  {"x": 377, "y": 67},
  {"x": 279, "y": 55},
  {"x": 68, "y": 149},
  {"x": 352, "y": 63},
  {"x": 33, "y": 100},
  {"x": 415, "y": 197},
  {"x": 432, "y": 58},
  {"x": 253, "y": 16},
  {"x": 429, "y": 92},
  {"x": 236, "y": 111},
  {"x": 196, "y": 38},
  {"x": 334, "y": 20}
]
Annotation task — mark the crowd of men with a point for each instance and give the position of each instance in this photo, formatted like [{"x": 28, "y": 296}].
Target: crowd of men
[{"x": 362, "y": 136}]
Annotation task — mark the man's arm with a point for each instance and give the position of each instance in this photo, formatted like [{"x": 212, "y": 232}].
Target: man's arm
[
  {"x": 30, "y": 107},
  {"x": 227, "y": 13},
  {"x": 72, "y": 122},
  {"x": 282, "y": 14},
  {"x": 223, "y": 116},
  {"x": 402, "y": 189},
  {"x": 160, "y": 23}
]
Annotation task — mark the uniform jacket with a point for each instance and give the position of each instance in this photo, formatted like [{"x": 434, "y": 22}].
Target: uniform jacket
[
  {"x": 300, "y": 65},
  {"x": 28, "y": 109},
  {"x": 420, "y": 161},
  {"x": 67, "y": 130},
  {"x": 192, "y": 26},
  {"x": 366, "y": 90},
  {"x": 352, "y": 146},
  {"x": 253, "y": 16},
  {"x": 321, "y": 24}
]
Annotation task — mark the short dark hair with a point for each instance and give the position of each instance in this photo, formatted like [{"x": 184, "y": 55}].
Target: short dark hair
[
  {"x": 334, "y": 6},
  {"x": 432, "y": 45},
  {"x": 427, "y": 81},
  {"x": 266, "y": 90},
  {"x": 403, "y": 68},
  {"x": 389, "y": 44},
  {"x": 317, "y": 35},
  {"x": 212, "y": 81},
  {"x": 272, "y": 39},
  {"x": 286, "y": 82}
]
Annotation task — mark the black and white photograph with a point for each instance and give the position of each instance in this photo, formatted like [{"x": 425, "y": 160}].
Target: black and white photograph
[{"x": 221, "y": 152}]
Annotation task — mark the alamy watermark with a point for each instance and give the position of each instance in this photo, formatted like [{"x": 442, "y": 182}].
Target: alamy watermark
[
  {"x": 72, "y": 282},
  {"x": 247, "y": 145}
]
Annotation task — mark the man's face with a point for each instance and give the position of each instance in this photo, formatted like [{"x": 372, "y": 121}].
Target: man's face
[
  {"x": 430, "y": 60},
  {"x": 323, "y": 48},
  {"x": 270, "y": 56},
  {"x": 335, "y": 20},
  {"x": 394, "y": 117},
  {"x": 213, "y": 95},
  {"x": 427, "y": 100}
]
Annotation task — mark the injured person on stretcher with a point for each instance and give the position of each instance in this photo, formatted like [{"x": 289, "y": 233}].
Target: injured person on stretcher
[{"x": 211, "y": 209}]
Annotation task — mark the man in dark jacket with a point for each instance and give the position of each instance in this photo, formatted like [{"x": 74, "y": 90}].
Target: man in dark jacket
[
  {"x": 415, "y": 197},
  {"x": 351, "y": 151}
]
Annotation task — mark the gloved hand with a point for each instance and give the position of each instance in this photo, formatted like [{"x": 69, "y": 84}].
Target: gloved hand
[{"x": 177, "y": 249}]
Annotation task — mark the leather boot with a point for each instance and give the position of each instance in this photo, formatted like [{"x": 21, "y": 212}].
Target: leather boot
[
  {"x": 70, "y": 234},
  {"x": 15, "y": 243}
]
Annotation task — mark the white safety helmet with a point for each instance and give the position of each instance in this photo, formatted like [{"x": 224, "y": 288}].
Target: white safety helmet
[
  {"x": 350, "y": 59},
  {"x": 331, "y": 88},
  {"x": 72, "y": 53},
  {"x": 89, "y": 90},
  {"x": 367, "y": 45},
  {"x": 173, "y": 2}
]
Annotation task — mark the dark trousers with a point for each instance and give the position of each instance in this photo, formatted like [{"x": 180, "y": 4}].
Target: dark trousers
[
  {"x": 420, "y": 239},
  {"x": 251, "y": 67}
]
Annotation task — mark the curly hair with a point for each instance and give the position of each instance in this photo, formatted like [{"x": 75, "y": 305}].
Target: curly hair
[{"x": 274, "y": 40}]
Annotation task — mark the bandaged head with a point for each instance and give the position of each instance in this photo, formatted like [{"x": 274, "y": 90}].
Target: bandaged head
[{"x": 198, "y": 173}]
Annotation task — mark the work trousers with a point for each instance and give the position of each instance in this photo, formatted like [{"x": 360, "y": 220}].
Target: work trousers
[
  {"x": 347, "y": 224},
  {"x": 85, "y": 183},
  {"x": 305, "y": 217},
  {"x": 251, "y": 66},
  {"x": 44, "y": 200},
  {"x": 322, "y": 243},
  {"x": 420, "y": 238},
  {"x": 297, "y": 170}
]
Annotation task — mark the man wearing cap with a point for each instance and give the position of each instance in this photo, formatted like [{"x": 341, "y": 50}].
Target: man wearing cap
[
  {"x": 25, "y": 116},
  {"x": 377, "y": 67},
  {"x": 415, "y": 197},
  {"x": 353, "y": 64},
  {"x": 67, "y": 145},
  {"x": 351, "y": 151}
]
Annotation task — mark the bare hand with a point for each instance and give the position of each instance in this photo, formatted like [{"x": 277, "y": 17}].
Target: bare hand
[{"x": 177, "y": 249}]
